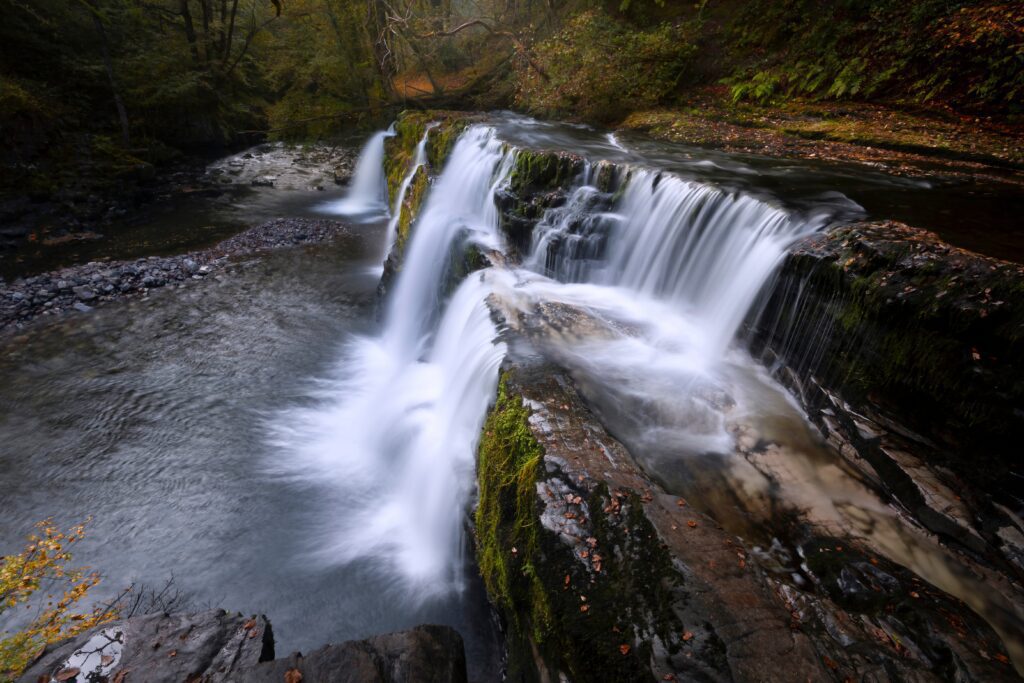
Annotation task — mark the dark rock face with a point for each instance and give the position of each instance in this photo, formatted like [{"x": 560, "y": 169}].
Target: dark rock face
[
  {"x": 431, "y": 654},
  {"x": 216, "y": 646},
  {"x": 907, "y": 354},
  {"x": 100, "y": 281}
]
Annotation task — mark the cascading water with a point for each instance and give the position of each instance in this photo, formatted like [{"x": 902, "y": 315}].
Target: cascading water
[
  {"x": 367, "y": 196},
  {"x": 662, "y": 280},
  {"x": 700, "y": 248},
  {"x": 419, "y": 158},
  {"x": 460, "y": 206},
  {"x": 392, "y": 436}
]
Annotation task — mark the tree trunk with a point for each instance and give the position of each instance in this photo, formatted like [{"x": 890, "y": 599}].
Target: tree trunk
[
  {"x": 190, "y": 29},
  {"x": 231, "y": 32},
  {"x": 108, "y": 65}
]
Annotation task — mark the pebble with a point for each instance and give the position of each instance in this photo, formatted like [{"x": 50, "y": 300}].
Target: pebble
[{"x": 82, "y": 287}]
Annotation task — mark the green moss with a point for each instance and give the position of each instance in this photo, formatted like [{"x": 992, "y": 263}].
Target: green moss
[
  {"x": 540, "y": 171},
  {"x": 410, "y": 208},
  {"x": 539, "y": 585},
  {"x": 506, "y": 519},
  {"x": 442, "y": 139}
]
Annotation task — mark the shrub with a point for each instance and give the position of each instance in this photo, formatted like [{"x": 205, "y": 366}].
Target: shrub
[
  {"x": 599, "y": 69},
  {"x": 42, "y": 566}
]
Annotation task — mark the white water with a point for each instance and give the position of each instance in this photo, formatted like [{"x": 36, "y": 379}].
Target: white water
[
  {"x": 392, "y": 435},
  {"x": 390, "y": 442},
  {"x": 705, "y": 251},
  {"x": 419, "y": 158},
  {"x": 367, "y": 197},
  {"x": 460, "y": 206}
]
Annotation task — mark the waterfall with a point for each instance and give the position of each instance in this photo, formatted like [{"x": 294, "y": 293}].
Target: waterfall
[
  {"x": 390, "y": 440},
  {"x": 706, "y": 251},
  {"x": 419, "y": 158},
  {"x": 460, "y": 206},
  {"x": 367, "y": 196}
]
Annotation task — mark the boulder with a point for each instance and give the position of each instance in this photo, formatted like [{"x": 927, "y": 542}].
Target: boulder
[{"x": 216, "y": 646}]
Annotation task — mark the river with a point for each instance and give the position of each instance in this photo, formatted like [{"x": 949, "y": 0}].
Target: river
[{"x": 268, "y": 443}]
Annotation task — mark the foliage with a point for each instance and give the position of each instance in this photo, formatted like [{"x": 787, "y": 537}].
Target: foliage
[
  {"x": 599, "y": 69},
  {"x": 964, "y": 53},
  {"x": 43, "y": 566}
]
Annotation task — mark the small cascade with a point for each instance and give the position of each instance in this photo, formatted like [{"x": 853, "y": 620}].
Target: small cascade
[
  {"x": 569, "y": 241},
  {"x": 460, "y": 206},
  {"x": 390, "y": 441},
  {"x": 396, "y": 210},
  {"x": 706, "y": 251},
  {"x": 367, "y": 197}
]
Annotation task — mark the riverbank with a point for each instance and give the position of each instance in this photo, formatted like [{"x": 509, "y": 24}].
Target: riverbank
[
  {"x": 82, "y": 287},
  {"x": 911, "y": 142},
  {"x": 165, "y": 210}
]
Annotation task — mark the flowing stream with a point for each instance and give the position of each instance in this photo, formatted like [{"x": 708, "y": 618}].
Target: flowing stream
[{"x": 265, "y": 439}]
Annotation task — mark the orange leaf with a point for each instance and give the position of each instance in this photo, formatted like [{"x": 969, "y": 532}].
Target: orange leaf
[{"x": 624, "y": 649}]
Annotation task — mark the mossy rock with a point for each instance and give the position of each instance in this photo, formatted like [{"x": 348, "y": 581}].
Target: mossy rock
[{"x": 594, "y": 622}]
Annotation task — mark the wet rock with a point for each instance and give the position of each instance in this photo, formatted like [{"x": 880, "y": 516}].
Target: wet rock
[
  {"x": 915, "y": 373},
  {"x": 215, "y": 646},
  {"x": 623, "y": 582},
  {"x": 600, "y": 575},
  {"x": 84, "y": 293}
]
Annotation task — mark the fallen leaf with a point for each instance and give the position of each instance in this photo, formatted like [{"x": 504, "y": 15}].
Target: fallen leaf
[
  {"x": 831, "y": 664},
  {"x": 584, "y": 608},
  {"x": 106, "y": 660},
  {"x": 624, "y": 649},
  {"x": 249, "y": 624},
  {"x": 68, "y": 674},
  {"x": 567, "y": 579},
  {"x": 172, "y": 653},
  {"x": 681, "y": 503},
  {"x": 121, "y": 676},
  {"x": 914, "y": 594},
  {"x": 692, "y": 524},
  {"x": 687, "y": 636},
  {"x": 292, "y": 676},
  {"x": 1001, "y": 658}
]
